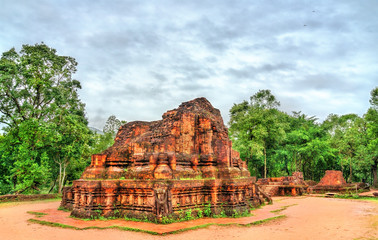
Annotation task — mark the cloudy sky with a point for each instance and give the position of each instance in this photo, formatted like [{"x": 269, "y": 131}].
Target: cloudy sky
[{"x": 138, "y": 59}]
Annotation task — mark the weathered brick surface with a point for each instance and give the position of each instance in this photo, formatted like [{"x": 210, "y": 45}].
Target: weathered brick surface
[
  {"x": 162, "y": 167},
  {"x": 280, "y": 186},
  {"x": 332, "y": 181},
  {"x": 332, "y": 178}
]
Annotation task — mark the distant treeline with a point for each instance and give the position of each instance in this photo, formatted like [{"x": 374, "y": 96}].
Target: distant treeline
[
  {"x": 46, "y": 142},
  {"x": 275, "y": 143}
]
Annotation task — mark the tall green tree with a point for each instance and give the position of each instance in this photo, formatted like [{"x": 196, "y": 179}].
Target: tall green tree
[
  {"x": 35, "y": 83},
  {"x": 255, "y": 128},
  {"x": 38, "y": 104},
  {"x": 70, "y": 139}
]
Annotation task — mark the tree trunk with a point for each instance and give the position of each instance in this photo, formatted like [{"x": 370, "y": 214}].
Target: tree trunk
[
  {"x": 264, "y": 162},
  {"x": 62, "y": 176},
  {"x": 52, "y": 185},
  {"x": 374, "y": 170},
  {"x": 350, "y": 171}
]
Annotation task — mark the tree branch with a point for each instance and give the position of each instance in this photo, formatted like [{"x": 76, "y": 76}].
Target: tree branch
[{"x": 16, "y": 102}]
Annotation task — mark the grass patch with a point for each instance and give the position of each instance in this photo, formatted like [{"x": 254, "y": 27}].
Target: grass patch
[
  {"x": 63, "y": 209},
  {"x": 52, "y": 224},
  {"x": 37, "y": 214},
  {"x": 228, "y": 224},
  {"x": 266, "y": 220},
  {"x": 92, "y": 219},
  {"x": 123, "y": 229},
  {"x": 134, "y": 230},
  {"x": 355, "y": 196},
  {"x": 283, "y": 208},
  {"x": 193, "y": 228}
]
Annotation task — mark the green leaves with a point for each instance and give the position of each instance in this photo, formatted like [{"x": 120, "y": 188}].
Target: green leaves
[
  {"x": 34, "y": 83},
  {"x": 26, "y": 174},
  {"x": 112, "y": 125},
  {"x": 277, "y": 144},
  {"x": 264, "y": 99},
  {"x": 374, "y": 98},
  {"x": 256, "y": 127},
  {"x": 46, "y": 125},
  {"x": 349, "y": 134}
]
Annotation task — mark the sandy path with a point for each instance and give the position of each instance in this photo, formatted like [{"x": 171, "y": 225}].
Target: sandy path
[{"x": 311, "y": 218}]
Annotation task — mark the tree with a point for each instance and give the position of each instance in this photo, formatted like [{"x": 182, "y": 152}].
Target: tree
[
  {"x": 69, "y": 141},
  {"x": 4, "y": 169},
  {"x": 274, "y": 143},
  {"x": 112, "y": 125},
  {"x": 340, "y": 130},
  {"x": 371, "y": 118},
  {"x": 255, "y": 128},
  {"x": 38, "y": 103},
  {"x": 35, "y": 84},
  {"x": 308, "y": 146},
  {"x": 105, "y": 140},
  {"x": 355, "y": 141},
  {"x": 374, "y": 98}
]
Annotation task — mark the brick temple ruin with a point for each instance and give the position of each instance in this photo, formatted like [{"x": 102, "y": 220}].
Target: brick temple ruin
[
  {"x": 162, "y": 168},
  {"x": 280, "y": 186},
  {"x": 332, "y": 181}
]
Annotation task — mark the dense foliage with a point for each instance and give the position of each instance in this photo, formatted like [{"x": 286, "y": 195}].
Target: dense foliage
[
  {"x": 275, "y": 143},
  {"x": 46, "y": 140},
  {"x": 46, "y": 130}
]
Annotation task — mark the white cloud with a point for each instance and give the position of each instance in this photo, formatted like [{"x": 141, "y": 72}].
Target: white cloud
[{"x": 138, "y": 59}]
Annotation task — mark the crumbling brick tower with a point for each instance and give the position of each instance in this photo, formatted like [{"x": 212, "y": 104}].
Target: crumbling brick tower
[
  {"x": 334, "y": 181},
  {"x": 161, "y": 168}
]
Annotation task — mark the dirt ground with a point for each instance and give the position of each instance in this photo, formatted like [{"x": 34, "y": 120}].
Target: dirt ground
[{"x": 307, "y": 218}]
